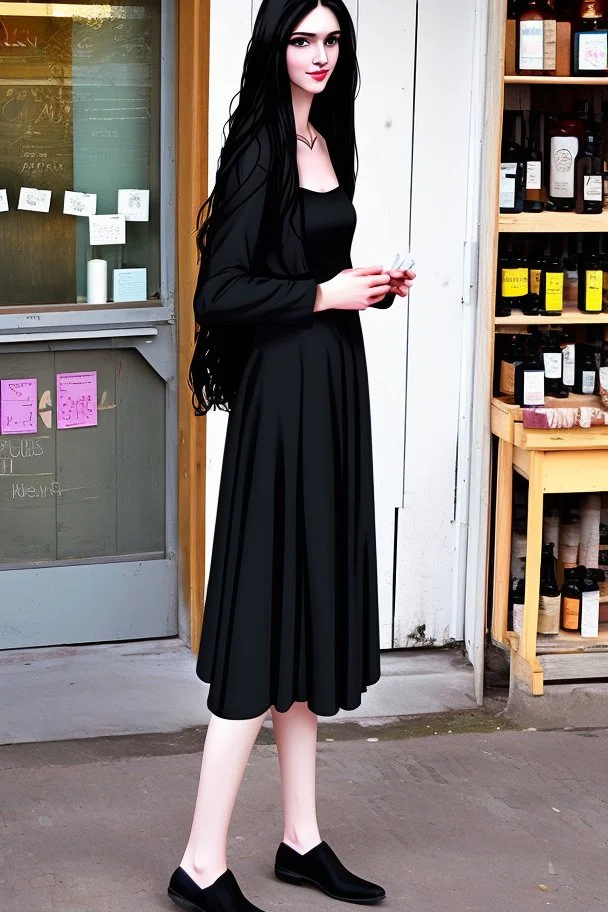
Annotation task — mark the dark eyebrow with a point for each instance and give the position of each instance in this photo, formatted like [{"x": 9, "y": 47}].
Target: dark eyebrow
[{"x": 314, "y": 35}]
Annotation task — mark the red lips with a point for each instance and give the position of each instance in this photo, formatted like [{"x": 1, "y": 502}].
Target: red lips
[{"x": 319, "y": 74}]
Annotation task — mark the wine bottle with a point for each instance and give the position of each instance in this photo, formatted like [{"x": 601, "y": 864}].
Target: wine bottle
[
  {"x": 586, "y": 373},
  {"x": 530, "y": 381},
  {"x": 554, "y": 367},
  {"x": 512, "y": 167},
  {"x": 533, "y": 201},
  {"x": 590, "y": 45},
  {"x": 536, "y": 263},
  {"x": 604, "y": 149},
  {"x": 552, "y": 287},
  {"x": 565, "y": 136},
  {"x": 536, "y": 28},
  {"x": 518, "y": 600},
  {"x": 569, "y": 366},
  {"x": 590, "y": 283},
  {"x": 512, "y": 283},
  {"x": 550, "y": 594},
  {"x": 511, "y": 356},
  {"x": 571, "y": 600},
  {"x": 589, "y": 175},
  {"x": 590, "y": 603}
]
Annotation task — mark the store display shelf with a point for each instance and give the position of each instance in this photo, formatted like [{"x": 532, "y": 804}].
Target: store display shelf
[
  {"x": 557, "y": 80},
  {"x": 566, "y": 641},
  {"x": 569, "y": 315},
  {"x": 548, "y": 222}
]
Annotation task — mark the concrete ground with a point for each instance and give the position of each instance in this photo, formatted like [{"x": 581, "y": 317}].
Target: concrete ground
[
  {"x": 151, "y": 686},
  {"x": 493, "y": 821}
]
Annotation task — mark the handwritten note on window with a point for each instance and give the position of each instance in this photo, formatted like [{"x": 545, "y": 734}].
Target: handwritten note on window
[
  {"x": 3, "y": 200},
  {"x": 77, "y": 400},
  {"x": 107, "y": 229},
  {"x": 18, "y": 406},
  {"x": 33, "y": 200}
]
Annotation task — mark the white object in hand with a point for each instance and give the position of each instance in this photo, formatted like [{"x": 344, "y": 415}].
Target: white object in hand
[
  {"x": 97, "y": 282},
  {"x": 403, "y": 261}
]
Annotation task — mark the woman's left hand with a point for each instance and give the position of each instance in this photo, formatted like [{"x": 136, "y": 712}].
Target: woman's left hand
[{"x": 401, "y": 281}]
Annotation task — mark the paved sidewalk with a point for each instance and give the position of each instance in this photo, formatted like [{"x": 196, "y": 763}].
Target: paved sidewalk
[
  {"x": 151, "y": 686},
  {"x": 485, "y": 822}
]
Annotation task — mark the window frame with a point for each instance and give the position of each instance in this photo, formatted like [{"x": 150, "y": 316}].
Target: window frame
[{"x": 24, "y": 318}]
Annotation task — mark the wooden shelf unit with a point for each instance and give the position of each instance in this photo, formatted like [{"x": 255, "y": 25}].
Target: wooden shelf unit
[
  {"x": 570, "y": 316},
  {"x": 557, "y": 80},
  {"x": 552, "y": 222},
  {"x": 553, "y": 461}
]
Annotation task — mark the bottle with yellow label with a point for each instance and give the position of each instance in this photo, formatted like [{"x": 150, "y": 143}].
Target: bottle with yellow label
[
  {"x": 512, "y": 285},
  {"x": 552, "y": 287},
  {"x": 590, "y": 284}
]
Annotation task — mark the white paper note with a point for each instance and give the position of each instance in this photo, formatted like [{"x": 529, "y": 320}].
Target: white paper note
[
  {"x": 33, "y": 200},
  {"x": 130, "y": 285},
  {"x": 134, "y": 205},
  {"x": 75, "y": 203},
  {"x": 107, "y": 229},
  {"x": 3, "y": 201}
]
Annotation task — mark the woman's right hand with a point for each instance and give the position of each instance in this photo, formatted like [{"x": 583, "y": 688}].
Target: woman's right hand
[{"x": 353, "y": 289}]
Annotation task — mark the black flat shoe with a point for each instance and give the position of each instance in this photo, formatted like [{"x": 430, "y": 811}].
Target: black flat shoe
[
  {"x": 322, "y": 868},
  {"x": 224, "y": 894}
]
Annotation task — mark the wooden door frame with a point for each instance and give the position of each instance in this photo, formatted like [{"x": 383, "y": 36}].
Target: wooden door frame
[{"x": 192, "y": 127}]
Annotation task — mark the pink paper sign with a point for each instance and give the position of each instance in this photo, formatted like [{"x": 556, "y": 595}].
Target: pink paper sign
[
  {"x": 77, "y": 400},
  {"x": 18, "y": 406}
]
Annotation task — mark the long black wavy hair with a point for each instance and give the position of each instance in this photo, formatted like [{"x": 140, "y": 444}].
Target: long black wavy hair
[{"x": 265, "y": 104}]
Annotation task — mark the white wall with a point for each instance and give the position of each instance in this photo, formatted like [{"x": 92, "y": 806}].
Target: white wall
[{"x": 421, "y": 487}]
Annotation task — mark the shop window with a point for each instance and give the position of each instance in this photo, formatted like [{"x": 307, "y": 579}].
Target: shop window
[{"x": 79, "y": 112}]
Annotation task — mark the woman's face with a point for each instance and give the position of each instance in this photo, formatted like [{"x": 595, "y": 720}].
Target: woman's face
[{"x": 312, "y": 52}]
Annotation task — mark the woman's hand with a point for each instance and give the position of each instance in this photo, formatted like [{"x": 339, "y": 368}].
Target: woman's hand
[
  {"x": 354, "y": 289},
  {"x": 401, "y": 281}
]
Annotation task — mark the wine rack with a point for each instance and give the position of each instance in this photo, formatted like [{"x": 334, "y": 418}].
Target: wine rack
[{"x": 553, "y": 461}]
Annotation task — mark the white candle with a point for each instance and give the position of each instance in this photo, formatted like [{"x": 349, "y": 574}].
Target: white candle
[{"x": 97, "y": 282}]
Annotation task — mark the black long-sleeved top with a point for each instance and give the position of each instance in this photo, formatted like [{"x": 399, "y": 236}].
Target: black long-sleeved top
[{"x": 251, "y": 276}]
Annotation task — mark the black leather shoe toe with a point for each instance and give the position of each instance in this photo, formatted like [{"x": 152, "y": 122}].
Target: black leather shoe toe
[
  {"x": 224, "y": 894},
  {"x": 322, "y": 868}
]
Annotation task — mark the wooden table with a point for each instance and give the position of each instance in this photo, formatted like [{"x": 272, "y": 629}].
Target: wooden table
[{"x": 554, "y": 462}]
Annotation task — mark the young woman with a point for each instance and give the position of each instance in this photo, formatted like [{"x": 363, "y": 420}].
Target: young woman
[{"x": 291, "y": 613}]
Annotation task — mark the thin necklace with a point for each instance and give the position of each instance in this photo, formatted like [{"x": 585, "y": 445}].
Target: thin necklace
[{"x": 307, "y": 141}]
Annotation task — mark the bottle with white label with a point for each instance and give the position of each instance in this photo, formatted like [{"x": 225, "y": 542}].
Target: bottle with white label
[
  {"x": 536, "y": 39},
  {"x": 553, "y": 361},
  {"x": 569, "y": 366},
  {"x": 564, "y": 141},
  {"x": 533, "y": 201},
  {"x": 530, "y": 382},
  {"x": 586, "y": 373},
  {"x": 512, "y": 167},
  {"x": 589, "y": 176},
  {"x": 590, "y": 603},
  {"x": 590, "y": 44}
]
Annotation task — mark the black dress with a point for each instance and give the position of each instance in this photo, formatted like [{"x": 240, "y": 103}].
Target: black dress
[{"x": 291, "y": 611}]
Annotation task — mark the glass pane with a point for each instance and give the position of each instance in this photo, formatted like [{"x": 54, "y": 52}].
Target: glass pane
[
  {"x": 88, "y": 492},
  {"x": 79, "y": 111}
]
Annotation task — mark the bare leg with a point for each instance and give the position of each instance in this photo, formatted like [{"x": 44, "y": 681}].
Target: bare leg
[
  {"x": 295, "y": 733},
  {"x": 228, "y": 744}
]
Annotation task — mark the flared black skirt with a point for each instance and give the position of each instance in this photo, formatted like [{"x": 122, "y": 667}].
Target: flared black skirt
[{"x": 291, "y": 609}]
